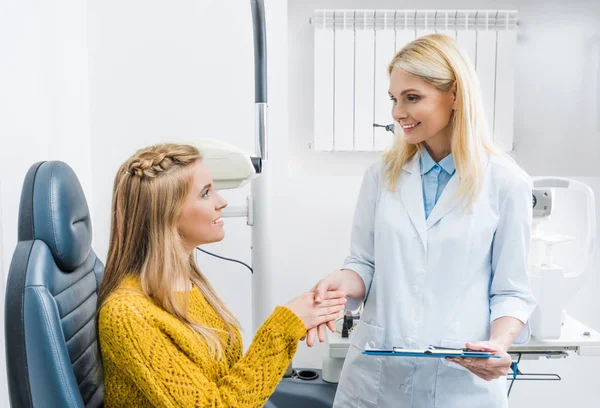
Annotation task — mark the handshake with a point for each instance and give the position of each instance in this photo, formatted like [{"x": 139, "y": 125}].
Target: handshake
[{"x": 320, "y": 307}]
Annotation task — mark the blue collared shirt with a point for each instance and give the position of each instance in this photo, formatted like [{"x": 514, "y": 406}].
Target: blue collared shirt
[{"x": 435, "y": 177}]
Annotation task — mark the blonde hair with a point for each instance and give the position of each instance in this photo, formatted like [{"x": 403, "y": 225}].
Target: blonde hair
[
  {"x": 438, "y": 60},
  {"x": 148, "y": 194}
]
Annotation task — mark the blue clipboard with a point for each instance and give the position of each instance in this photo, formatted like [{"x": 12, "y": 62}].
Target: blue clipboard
[{"x": 431, "y": 352}]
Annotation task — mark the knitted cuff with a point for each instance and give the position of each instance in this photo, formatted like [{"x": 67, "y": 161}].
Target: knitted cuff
[{"x": 287, "y": 322}]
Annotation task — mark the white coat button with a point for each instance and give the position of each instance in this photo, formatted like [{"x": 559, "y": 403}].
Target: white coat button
[
  {"x": 403, "y": 388},
  {"x": 414, "y": 289}
]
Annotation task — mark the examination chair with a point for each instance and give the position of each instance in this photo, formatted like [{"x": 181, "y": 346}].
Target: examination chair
[{"x": 51, "y": 341}]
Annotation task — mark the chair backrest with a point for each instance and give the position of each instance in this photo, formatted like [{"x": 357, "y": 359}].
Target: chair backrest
[{"x": 51, "y": 340}]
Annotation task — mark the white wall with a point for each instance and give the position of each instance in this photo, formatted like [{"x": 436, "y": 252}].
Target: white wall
[
  {"x": 556, "y": 133},
  {"x": 3, "y": 262},
  {"x": 43, "y": 106}
]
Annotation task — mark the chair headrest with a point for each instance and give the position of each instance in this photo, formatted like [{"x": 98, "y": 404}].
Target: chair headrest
[{"x": 54, "y": 210}]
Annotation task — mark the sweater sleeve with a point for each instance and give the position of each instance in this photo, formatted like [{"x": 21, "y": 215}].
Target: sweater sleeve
[{"x": 168, "y": 378}]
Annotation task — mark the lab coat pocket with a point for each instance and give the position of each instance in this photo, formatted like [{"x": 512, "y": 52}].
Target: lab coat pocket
[
  {"x": 362, "y": 373},
  {"x": 453, "y": 344}
]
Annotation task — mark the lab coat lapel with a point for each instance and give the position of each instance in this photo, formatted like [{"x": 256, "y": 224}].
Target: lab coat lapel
[
  {"x": 411, "y": 194},
  {"x": 446, "y": 203}
]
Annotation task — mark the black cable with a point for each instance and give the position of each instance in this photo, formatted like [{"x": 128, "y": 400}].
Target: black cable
[
  {"x": 513, "y": 380},
  {"x": 226, "y": 259}
]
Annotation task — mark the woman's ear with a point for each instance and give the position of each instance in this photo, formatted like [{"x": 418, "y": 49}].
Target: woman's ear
[{"x": 454, "y": 87}]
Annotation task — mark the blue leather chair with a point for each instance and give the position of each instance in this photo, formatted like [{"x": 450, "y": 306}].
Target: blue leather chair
[{"x": 51, "y": 341}]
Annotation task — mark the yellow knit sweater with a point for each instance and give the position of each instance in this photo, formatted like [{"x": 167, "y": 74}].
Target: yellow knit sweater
[{"x": 151, "y": 359}]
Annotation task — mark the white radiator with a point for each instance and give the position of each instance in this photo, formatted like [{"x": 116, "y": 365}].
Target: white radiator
[{"x": 352, "y": 49}]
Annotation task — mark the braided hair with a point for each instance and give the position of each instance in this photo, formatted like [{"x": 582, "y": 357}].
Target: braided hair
[{"x": 153, "y": 160}]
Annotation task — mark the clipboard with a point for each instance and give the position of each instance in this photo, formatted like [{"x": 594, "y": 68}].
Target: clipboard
[{"x": 430, "y": 352}]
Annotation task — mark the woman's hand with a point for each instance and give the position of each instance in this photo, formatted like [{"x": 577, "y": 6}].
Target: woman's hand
[
  {"x": 486, "y": 368},
  {"x": 312, "y": 313},
  {"x": 333, "y": 281}
]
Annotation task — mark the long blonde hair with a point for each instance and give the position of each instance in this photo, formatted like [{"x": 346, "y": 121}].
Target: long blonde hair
[
  {"x": 438, "y": 60},
  {"x": 148, "y": 194}
]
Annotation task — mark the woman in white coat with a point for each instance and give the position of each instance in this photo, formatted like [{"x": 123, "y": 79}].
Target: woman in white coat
[{"x": 439, "y": 245}]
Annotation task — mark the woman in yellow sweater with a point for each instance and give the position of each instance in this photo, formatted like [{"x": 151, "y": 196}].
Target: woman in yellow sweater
[{"x": 166, "y": 339}]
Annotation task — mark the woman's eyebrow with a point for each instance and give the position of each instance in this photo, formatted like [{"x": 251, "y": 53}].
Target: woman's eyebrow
[
  {"x": 404, "y": 92},
  {"x": 408, "y": 90}
]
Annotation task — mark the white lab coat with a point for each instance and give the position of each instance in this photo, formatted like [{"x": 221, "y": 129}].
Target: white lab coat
[{"x": 439, "y": 281}]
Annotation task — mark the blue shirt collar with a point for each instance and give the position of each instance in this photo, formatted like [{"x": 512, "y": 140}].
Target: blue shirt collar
[{"x": 427, "y": 162}]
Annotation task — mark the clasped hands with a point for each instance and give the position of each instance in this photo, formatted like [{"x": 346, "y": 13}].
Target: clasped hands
[{"x": 318, "y": 313}]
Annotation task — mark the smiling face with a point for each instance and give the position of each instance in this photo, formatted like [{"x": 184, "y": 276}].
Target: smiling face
[
  {"x": 423, "y": 111},
  {"x": 200, "y": 221}
]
